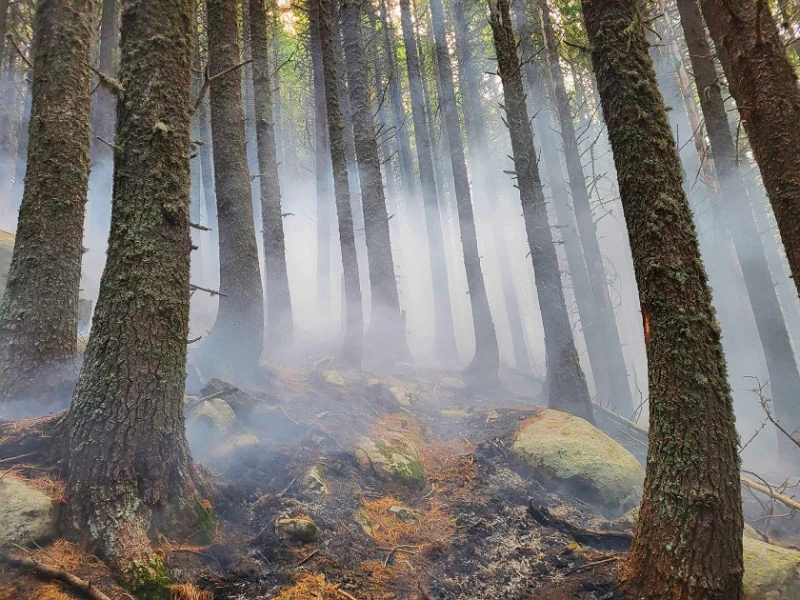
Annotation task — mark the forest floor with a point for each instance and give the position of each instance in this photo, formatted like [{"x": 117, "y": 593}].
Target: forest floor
[{"x": 480, "y": 525}]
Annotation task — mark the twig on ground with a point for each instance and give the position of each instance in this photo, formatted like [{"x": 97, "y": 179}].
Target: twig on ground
[
  {"x": 593, "y": 564},
  {"x": 308, "y": 558}
]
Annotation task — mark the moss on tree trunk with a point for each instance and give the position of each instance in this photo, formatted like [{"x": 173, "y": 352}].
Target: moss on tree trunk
[
  {"x": 692, "y": 493},
  {"x": 130, "y": 472},
  {"x": 39, "y": 311}
]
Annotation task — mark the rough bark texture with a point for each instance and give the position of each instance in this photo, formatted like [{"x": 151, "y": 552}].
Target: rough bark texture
[
  {"x": 352, "y": 348},
  {"x": 765, "y": 88},
  {"x": 486, "y": 362},
  {"x": 322, "y": 158},
  {"x": 39, "y": 311},
  {"x": 279, "y": 302},
  {"x": 568, "y": 391},
  {"x": 618, "y": 387},
  {"x": 444, "y": 335},
  {"x": 692, "y": 493},
  {"x": 233, "y": 346},
  {"x": 386, "y": 337},
  {"x": 104, "y": 102},
  {"x": 130, "y": 472},
  {"x": 736, "y": 214}
]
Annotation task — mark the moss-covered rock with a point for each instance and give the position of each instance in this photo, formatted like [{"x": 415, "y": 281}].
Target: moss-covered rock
[
  {"x": 572, "y": 453},
  {"x": 770, "y": 572},
  {"x": 314, "y": 481},
  {"x": 215, "y": 416},
  {"x": 299, "y": 529},
  {"x": 332, "y": 378},
  {"x": 405, "y": 397},
  {"x": 392, "y": 457},
  {"x": 26, "y": 514}
]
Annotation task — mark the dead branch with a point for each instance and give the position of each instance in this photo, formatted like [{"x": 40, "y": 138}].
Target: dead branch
[
  {"x": 194, "y": 287},
  {"x": 199, "y": 227},
  {"x": 614, "y": 540},
  {"x": 767, "y": 491},
  {"x": 208, "y": 79},
  {"x": 424, "y": 591},
  {"x": 58, "y": 574},
  {"x": 596, "y": 563},
  {"x": 308, "y": 558},
  {"x": 26, "y": 437},
  {"x": 10, "y": 39}
]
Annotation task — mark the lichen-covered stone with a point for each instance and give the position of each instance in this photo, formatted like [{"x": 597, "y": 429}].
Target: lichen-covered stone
[
  {"x": 215, "y": 415},
  {"x": 392, "y": 457},
  {"x": 770, "y": 572},
  {"x": 314, "y": 481},
  {"x": 332, "y": 378},
  {"x": 299, "y": 529},
  {"x": 571, "y": 452},
  {"x": 26, "y": 514},
  {"x": 405, "y": 397}
]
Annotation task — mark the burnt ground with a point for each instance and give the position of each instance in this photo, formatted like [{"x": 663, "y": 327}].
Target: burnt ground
[{"x": 483, "y": 527}]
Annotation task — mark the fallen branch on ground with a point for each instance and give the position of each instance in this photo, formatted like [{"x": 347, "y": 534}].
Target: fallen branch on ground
[
  {"x": 48, "y": 572},
  {"x": 789, "y": 502},
  {"x": 615, "y": 540}
]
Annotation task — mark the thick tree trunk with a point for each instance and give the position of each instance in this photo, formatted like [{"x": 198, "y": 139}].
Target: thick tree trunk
[
  {"x": 352, "y": 349},
  {"x": 765, "y": 88},
  {"x": 477, "y": 142},
  {"x": 279, "y": 302},
  {"x": 486, "y": 362},
  {"x": 618, "y": 386},
  {"x": 444, "y": 333},
  {"x": 737, "y": 216},
  {"x": 322, "y": 157},
  {"x": 568, "y": 391},
  {"x": 233, "y": 345},
  {"x": 692, "y": 493},
  {"x": 104, "y": 101},
  {"x": 130, "y": 472},
  {"x": 386, "y": 337},
  {"x": 39, "y": 311}
]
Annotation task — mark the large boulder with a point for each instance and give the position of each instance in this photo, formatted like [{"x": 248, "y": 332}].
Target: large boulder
[
  {"x": 575, "y": 455},
  {"x": 6, "y": 249},
  {"x": 392, "y": 457},
  {"x": 770, "y": 572},
  {"x": 213, "y": 416},
  {"x": 26, "y": 514}
]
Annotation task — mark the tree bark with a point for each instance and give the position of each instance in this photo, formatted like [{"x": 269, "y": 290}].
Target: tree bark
[
  {"x": 618, "y": 387},
  {"x": 104, "y": 101},
  {"x": 130, "y": 472},
  {"x": 280, "y": 328},
  {"x": 692, "y": 493},
  {"x": 765, "y": 88},
  {"x": 444, "y": 331},
  {"x": 386, "y": 337},
  {"x": 736, "y": 214},
  {"x": 233, "y": 345},
  {"x": 486, "y": 362},
  {"x": 352, "y": 348},
  {"x": 39, "y": 311},
  {"x": 568, "y": 390}
]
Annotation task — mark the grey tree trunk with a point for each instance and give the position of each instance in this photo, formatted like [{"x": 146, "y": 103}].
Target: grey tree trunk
[
  {"x": 386, "y": 337},
  {"x": 568, "y": 390},
  {"x": 39, "y": 310},
  {"x": 280, "y": 327},
  {"x": 486, "y": 362},
  {"x": 233, "y": 346},
  {"x": 444, "y": 336},
  {"x": 102, "y": 117},
  {"x": 352, "y": 348}
]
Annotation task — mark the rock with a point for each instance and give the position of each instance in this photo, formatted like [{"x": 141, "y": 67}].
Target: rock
[
  {"x": 452, "y": 383},
  {"x": 332, "y": 378},
  {"x": 393, "y": 457},
  {"x": 214, "y": 415},
  {"x": 26, "y": 514},
  {"x": 568, "y": 450},
  {"x": 300, "y": 529},
  {"x": 770, "y": 572},
  {"x": 405, "y": 397},
  {"x": 404, "y": 514},
  {"x": 244, "y": 442},
  {"x": 314, "y": 481},
  {"x": 364, "y": 522}
]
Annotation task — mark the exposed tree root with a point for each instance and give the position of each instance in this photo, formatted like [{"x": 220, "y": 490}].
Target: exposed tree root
[
  {"x": 611, "y": 540},
  {"x": 47, "y": 572}
]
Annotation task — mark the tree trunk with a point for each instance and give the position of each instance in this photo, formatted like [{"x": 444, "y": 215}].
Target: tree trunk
[
  {"x": 233, "y": 345},
  {"x": 765, "y": 88},
  {"x": 486, "y": 362},
  {"x": 279, "y": 302},
  {"x": 444, "y": 332},
  {"x": 475, "y": 125},
  {"x": 692, "y": 493},
  {"x": 618, "y": 386},
  {"x": 386, "y": 337},
  {"x": 39, "y": 311},
  {"x": 130, "y": 472},
  {"x": 104, "y": 101},
  {"x": 323, "y": 172},
  {"x": 352, "y": 349},
  {"x": 568, "y": 391},
  {"x": 737, "y": 216}
]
